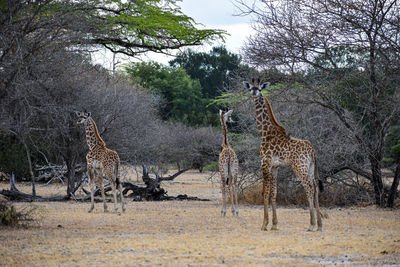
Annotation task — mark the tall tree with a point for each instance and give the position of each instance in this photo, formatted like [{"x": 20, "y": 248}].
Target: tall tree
[
  {"x": 212, "y": 69},
  {"x": 314, "y": 37}
]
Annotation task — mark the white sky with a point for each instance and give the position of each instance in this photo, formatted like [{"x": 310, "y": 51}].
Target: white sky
[{"x": 214, "y": 14}]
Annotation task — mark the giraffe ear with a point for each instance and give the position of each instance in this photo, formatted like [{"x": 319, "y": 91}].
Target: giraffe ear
[
  {"x": 246, "y": 85},
  {"x": 89, "y": 114},
  {"x": 265, "y": 86},
  {"x": 77, "y": 113},
  {"x": 229, "y": 112}
]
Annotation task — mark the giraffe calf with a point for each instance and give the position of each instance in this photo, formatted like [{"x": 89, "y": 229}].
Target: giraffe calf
[
  {"x": 101, "y": 162},
  {"x": 228, "y": 168}
]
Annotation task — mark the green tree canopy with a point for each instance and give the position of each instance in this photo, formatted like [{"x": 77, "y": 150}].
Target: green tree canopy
[
  {"x": 212, "y": 69},
  {"x": 128, "y": 27},
  {"x": 181, "y": 95}
]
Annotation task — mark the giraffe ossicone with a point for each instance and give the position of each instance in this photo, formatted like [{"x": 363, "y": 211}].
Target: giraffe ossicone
[
  {"x": 279, "y": 149},
  {"x": 101, "y": 162},
  {"x": 228, "y": 167}
]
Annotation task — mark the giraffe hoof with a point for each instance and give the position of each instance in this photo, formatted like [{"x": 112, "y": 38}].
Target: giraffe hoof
[
  {"x": 90, "y": 211},
  {"x": 311, "y": 229},
  {"x": 223, "y": 213},
  {"x": 264, "y": 228},
  {"x": 274, "y": 228},
  {"x": 319, "y": 229}
]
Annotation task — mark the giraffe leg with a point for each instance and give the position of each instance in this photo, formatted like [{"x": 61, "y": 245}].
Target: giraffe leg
[
  {"x": 306, "y": 177},
  {"x": 92, "y": 184},
  {"x": 100, "y": 180},
  {"x": 266, "y": 191},
  {"x": 122, "y": 198},
  {"x": 310, "y": 197},
  {"x": 316, "y": 203},
  {"x": 235, "y": 188},
  {"x": 223, "y": 189},
  {"x": 115, "y": 196},
  {"x": 231, "y": 195},
  {"x": 273, "y": 188}
]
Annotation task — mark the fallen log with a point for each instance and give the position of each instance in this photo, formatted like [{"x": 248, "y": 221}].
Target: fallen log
[
  {"x": 171, "y": 177},
  {"x": 16, "y": 195},
  {"x": 150, "y": 190},
  {"x": 20, "y": 196}
]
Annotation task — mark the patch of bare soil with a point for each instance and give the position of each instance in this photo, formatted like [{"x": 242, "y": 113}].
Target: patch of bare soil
[{"x": 183, "y": 233}]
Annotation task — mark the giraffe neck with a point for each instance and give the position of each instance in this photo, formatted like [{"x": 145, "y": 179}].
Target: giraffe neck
[
  {"x": 225, "y": 142},
  {"x": 93, "y": 138},
  {"x": 267, "y": 124}
]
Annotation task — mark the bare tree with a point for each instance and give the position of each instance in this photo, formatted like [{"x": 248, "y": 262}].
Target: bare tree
[{"x": 343, "y": 56}]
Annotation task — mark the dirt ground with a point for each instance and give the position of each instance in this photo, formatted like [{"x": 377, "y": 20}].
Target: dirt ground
[{"x": 192, "y": 233}]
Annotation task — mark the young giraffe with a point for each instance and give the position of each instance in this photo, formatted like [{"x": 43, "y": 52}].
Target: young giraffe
[
  {"x": 101, "y": 162},
  {"x": 228, "y": 168},
  {"x": 278, "y": 149}
]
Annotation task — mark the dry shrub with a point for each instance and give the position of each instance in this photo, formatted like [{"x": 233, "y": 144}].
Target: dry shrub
[
  {"x": 10, "y": 216},
  {"x": 252, "y": 194},
  {"x": 294, "y": 194}
]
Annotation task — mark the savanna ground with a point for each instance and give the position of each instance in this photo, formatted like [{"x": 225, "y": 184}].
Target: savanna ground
[{"x": 192, "y": 233}]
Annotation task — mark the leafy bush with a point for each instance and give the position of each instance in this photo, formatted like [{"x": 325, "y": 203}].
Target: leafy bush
[{"x": 213, "y": 166}]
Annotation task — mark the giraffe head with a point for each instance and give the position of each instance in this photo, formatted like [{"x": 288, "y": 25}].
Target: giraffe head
[
  {"x": 225, "y": 116},
  {"x": 83, "y": 116},
  {"x": 255, "y": 89}
]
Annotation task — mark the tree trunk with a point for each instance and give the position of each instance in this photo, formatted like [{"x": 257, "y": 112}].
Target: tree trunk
[
  {"x": 28, "y": 155},
  {"x": 71, "y": 164},
  {"x": 377, "y": 181},
  {"x": 393, "y": 188}
]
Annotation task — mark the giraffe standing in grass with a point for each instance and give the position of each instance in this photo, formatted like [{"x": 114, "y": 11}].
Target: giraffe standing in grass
[
  {"x": 101, "y": 162},
  {"x": 228, "y": 168},
  {"x": 278, "y": 149}
]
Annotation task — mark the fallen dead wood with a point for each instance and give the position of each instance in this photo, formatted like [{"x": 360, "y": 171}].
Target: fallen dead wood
[
  {"x": 20, "y": 196},
  {"x": 149, "y": 190},
  {"x": 185, "y": 197},
  {"x": 51, "y": 172},
  {"x": 16, "y": 195},
  {"x": 171, "y": 177}
]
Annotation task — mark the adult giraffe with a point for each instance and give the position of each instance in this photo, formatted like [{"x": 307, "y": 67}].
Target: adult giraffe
[
  {"x": 278, "y": 149},
  {"x": 101, "y": 161}
]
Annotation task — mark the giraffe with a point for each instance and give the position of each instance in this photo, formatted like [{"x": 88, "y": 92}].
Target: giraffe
[
  {"x": 101, "y": 161},
  {"x": 278, "y": 149},
  {"x": 228, "y": 167}
]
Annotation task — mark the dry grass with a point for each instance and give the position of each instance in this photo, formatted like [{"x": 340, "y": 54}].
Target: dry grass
[{"x": 186, "y": 233}]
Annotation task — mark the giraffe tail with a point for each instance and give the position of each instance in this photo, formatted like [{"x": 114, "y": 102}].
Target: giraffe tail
[
  {"x": 316, "y": 175},
  {"x": 116, "y": 173}
]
